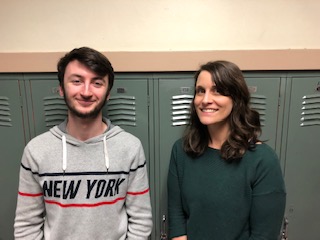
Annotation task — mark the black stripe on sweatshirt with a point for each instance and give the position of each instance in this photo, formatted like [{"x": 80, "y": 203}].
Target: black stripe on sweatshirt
[{"x": 83, "y": 173}]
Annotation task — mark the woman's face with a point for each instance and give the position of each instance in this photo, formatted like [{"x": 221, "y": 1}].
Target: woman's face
[{"x": 212, "y": 108}]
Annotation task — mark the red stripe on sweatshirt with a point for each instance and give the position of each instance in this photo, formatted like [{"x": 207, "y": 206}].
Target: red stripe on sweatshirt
[
  {"x": 138, "y": 193},
  {"x": 84, "y": 204},
  {"x": 30, "y": 194}
]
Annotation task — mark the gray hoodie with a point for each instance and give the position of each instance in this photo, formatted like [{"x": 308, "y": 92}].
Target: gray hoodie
[{"x": 93, "y": 189}]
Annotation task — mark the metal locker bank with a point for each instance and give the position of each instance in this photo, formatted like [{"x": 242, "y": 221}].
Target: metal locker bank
[
  {"x": 300, "y": 151},
  {"x": 154, "y": 107}
]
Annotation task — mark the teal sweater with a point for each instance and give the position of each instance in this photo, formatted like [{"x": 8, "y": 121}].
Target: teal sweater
[{"x": 210, "y": 199}]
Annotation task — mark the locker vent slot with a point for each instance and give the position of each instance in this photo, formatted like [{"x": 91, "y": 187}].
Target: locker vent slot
[
  {"x": 180, "y": 107},
  {"x": 5, "y": 119},
  {"x": 55, "y": 110},
  {"x": 310, "y": 115},
  {"x": 122, "y": 110},
  {"x": 259, "y": 103}
]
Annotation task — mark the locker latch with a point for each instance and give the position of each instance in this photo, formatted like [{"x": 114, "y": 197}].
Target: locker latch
[
  {"x": 163, "y": 234},
  {"x": 284, "y": 232}
]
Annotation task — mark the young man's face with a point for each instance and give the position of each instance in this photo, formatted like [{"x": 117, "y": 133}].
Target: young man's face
[{"x": 85, "y": 92}]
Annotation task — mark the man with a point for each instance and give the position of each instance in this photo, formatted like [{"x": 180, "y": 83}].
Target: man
[{"x": 85, "y": 178}]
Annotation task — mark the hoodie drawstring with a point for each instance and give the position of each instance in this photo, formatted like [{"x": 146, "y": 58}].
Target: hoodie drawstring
[
  {"x": 64, "y": 153},
  {"x": 106, "y": 156}
]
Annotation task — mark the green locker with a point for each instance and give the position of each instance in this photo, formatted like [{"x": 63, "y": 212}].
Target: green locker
[
  {"x": 128, "y": 106},
  {"x": 47, "y": 108},
  {"x": 266, "y": 92},
  {"x": 174, "y": 94},
  {"x": 13, "y": 138},
  {"x": 301, "y": 151},
  {"x": 154, "y": 107}
]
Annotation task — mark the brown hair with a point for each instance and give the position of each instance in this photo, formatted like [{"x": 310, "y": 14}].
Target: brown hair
[{"x": 244, "y": 122}]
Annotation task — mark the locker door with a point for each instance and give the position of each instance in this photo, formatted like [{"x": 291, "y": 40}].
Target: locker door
[
  {"x": 128, "y": 107},
  {"x": 13, "y": 140},
  {"x": 174, "y": 96},
  {"x": 265, "y": 95},
  {"x": 302, "y": 158},
  {"x": 47, "y": 107}
]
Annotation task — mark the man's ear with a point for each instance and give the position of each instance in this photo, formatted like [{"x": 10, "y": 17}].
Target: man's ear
[
  {"x": 108, "y": 96},
  {"x": 61, "y": 92}
]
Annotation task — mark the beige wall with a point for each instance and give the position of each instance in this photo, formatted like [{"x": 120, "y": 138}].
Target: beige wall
[
  {"x": 38, "y": 26},
  {"x": 158, "y": 25}
]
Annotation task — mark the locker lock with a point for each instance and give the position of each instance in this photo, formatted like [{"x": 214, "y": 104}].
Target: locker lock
[{"x": 121, "y": 90}]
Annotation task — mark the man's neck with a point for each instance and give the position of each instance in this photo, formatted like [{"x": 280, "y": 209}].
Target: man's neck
[{"x": 83, "y": 129}]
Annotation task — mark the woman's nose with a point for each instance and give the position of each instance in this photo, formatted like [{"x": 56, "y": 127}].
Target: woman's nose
[{"x": 207, "y": 98}]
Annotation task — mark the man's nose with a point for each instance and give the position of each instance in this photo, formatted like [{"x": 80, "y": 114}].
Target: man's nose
[{"x": 86, "y": 90}]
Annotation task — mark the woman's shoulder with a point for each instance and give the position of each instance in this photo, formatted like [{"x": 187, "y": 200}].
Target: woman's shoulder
[
  {"x": 177, "y": 151},
  {"x": 178, "y": 142},
  {"x": 262, "y": 156},
  {"x": 263, "y": 148}
]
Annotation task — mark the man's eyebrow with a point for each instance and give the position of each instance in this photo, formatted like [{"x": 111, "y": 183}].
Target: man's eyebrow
[
  {"x": 75, "y": 75},
  {"x": 98, "y": 78}
]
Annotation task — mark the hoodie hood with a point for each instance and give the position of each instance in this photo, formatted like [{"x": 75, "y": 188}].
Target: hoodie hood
[{"x": 60, "y": 132}]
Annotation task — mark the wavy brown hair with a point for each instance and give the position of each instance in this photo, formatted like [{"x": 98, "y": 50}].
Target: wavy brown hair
[{"x": 244, "y": 122}]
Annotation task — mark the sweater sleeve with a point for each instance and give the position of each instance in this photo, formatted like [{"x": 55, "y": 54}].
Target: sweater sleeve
[
  {"x": 30, "y": 208},
  {"x": 177, "y": 217},
  {"x": 138, "y": 205},
  {"x": 268, "y": 199}
]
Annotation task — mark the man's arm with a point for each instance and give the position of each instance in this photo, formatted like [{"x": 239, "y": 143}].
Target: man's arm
[
  {"x": 29, "y": 219},
  {"x": 138, "y": 203}
]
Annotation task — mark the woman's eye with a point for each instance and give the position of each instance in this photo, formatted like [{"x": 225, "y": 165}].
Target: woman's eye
[
  {"x": 215, "y": 91},
  {"x": 200, "y": 90}
]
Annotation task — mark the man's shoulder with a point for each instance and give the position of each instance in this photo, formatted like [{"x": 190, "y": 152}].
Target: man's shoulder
[
  {"x": 42, "y": 138},
  {"x": 123, "y": 135}
]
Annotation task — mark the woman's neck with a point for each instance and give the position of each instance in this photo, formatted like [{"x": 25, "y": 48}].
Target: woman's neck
[{"x": 219, "y": 133}]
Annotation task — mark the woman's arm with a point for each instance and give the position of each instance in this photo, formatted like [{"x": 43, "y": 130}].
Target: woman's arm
[
  {"x": 177, "y": 217},
  {"x": 268, "y": 199},
  {"x": 180, "y": 238}
]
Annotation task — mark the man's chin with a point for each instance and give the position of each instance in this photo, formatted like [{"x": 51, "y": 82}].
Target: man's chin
[{"x": 85, "y": 115}]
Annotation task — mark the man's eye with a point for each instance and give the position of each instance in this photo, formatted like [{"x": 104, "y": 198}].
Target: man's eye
[
  {"x": 98, "y": 83},
  {"x": 75, "y": 81}
]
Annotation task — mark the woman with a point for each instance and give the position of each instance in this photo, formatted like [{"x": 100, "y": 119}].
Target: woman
[{"x": 223, "y": 183}]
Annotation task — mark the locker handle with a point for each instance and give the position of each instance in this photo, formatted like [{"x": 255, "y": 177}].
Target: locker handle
[
  {"x": 163, "y": 233},
  {"x": 284, "y": 232}
]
